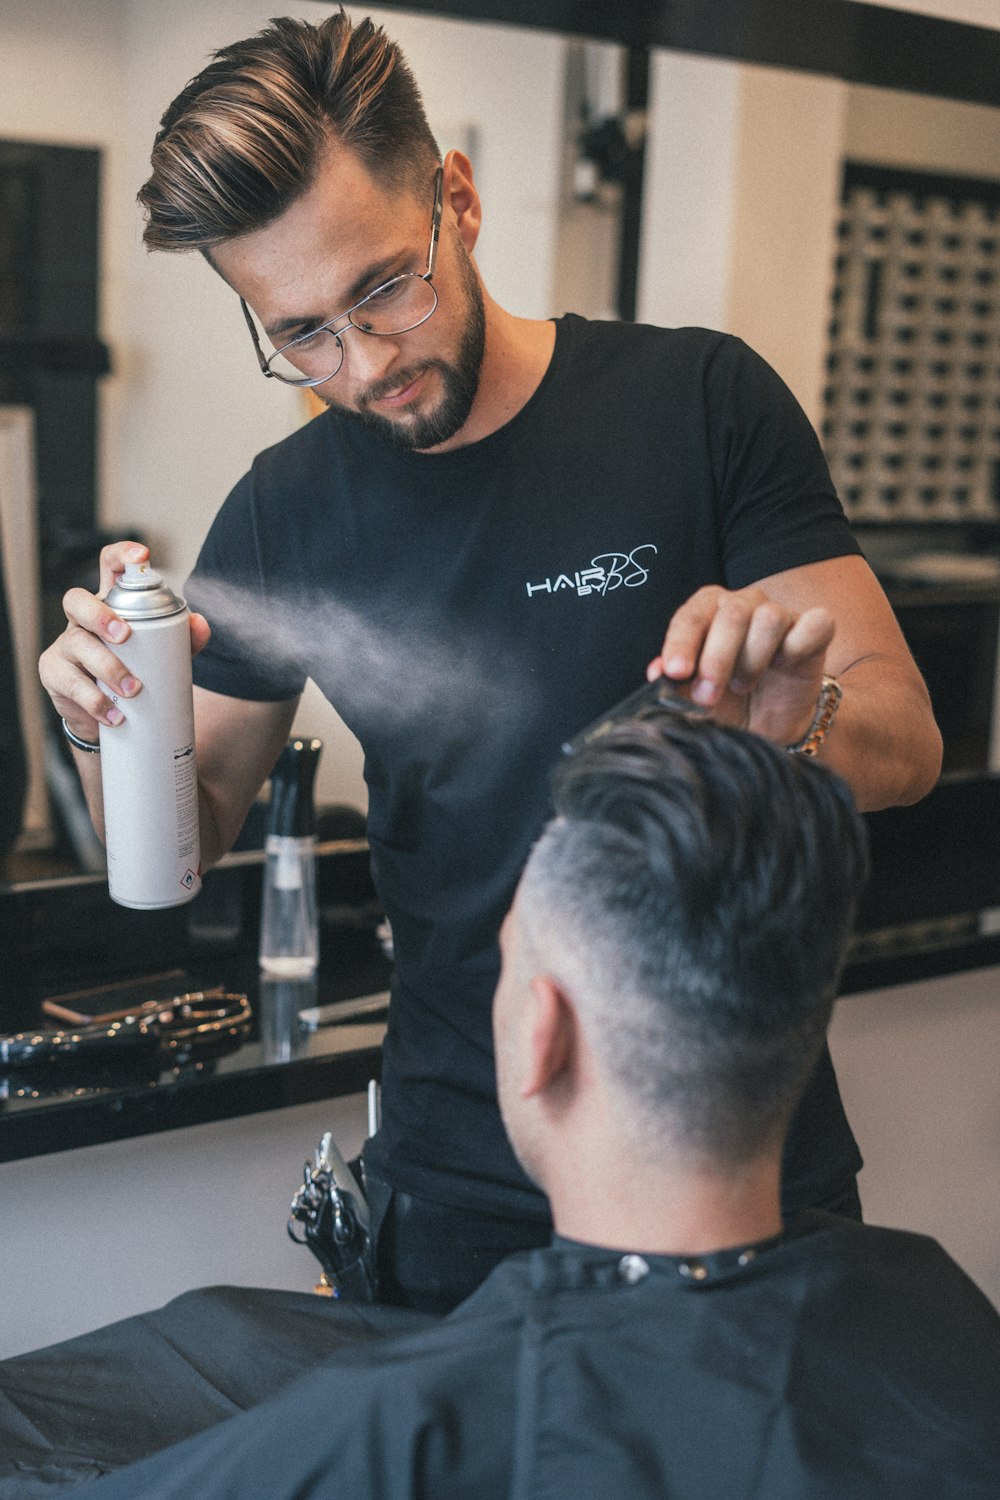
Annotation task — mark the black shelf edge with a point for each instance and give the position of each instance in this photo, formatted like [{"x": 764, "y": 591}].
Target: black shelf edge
[
  {"x": 911, "y": 965},
  {"x": 132, "y": 1112}
]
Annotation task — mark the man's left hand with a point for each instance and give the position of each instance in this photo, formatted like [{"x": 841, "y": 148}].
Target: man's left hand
[
  {"x": 756, "y": 657},
  {"x": 751, "y": 661}
]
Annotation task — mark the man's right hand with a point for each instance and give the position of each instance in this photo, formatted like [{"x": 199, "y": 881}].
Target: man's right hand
[{"x": 71, "y": 666}]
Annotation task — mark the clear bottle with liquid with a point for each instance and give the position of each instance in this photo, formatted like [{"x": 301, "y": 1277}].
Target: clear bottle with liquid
[
  {"x": 289, "y": 926},
  {"x": 279, "y": 1001}
]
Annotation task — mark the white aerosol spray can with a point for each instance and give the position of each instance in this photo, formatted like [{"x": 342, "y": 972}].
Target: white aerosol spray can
[{"x": 148, "y": 769}]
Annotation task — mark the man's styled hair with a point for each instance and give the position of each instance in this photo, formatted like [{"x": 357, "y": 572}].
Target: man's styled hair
[
  {"x": 695, "y": 895},
  {"x": 243, "y": 140}
]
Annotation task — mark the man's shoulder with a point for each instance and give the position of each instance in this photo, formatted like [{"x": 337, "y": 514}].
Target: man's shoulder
[
  {"x": 631, "y": 339},
  {"x": 851, "y": 1240},
  {"x": 300, "y": 449},
  {"x": 644, "y": 356},
  {"x": 314, "y": 464},
  {"x": 894, "y": 1279}
]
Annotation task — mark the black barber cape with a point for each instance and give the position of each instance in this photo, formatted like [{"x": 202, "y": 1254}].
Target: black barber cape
[{"x": 846, "y": 1361}]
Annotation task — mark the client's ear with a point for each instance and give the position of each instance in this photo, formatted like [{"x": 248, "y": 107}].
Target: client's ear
[{"x": 551, "y": 1034}]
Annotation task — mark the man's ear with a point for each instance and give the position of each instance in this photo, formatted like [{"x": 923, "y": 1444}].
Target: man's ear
[
  {"x": 462, "y": 197},
  {"x": 551, "y": 1036}
]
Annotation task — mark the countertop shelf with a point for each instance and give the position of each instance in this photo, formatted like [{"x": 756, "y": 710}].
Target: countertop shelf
[
  {"x": 933, "y": 907},
  {"x": 65, "y": 940},
  {"x": 328, "y": 1064}
]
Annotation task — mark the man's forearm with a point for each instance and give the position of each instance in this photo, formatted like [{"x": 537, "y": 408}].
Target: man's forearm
[
  {"x": 884, "y": 740},
  {"x": 89, "y": 770},
  {"x": 217, "y": 837}
]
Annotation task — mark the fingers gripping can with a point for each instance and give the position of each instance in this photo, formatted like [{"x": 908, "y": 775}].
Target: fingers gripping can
[{"x": 148, "y": 769}]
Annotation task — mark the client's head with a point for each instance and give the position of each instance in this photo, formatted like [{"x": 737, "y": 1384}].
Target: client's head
[{"x": 674, "y": 947}]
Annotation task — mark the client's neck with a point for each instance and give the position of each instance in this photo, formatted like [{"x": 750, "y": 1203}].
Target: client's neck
[{"x": 672, "y": 1207}]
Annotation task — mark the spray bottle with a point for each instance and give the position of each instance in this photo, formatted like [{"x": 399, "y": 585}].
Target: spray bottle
[
  {"x": 289, "y": 929},
  {"x": 148, "y": 769}
]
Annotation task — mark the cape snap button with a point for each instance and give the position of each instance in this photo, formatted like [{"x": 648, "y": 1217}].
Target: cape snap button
[{"x": 632, "y": 1268}]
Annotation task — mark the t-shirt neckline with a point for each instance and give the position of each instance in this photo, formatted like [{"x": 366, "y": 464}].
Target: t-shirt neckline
[{"x": 492, "y": 445}]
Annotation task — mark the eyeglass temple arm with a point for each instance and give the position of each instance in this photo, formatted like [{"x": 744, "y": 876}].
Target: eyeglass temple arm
[
  {"x": 256, "y": 341},
  {"x": 436, "y": 221}
]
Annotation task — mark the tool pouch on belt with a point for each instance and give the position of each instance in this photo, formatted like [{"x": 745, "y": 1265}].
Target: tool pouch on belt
[{"x": 332, "y": 1208}]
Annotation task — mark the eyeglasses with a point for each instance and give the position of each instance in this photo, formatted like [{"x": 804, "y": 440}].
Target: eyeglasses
[{"x": 397, "y": 306}]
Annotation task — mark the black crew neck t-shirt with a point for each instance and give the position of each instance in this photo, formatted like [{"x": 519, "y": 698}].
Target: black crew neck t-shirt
[{"x": 466, "y": 613}]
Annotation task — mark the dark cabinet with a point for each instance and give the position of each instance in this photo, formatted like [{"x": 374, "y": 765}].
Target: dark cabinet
[{"x": 952, "y": 633}]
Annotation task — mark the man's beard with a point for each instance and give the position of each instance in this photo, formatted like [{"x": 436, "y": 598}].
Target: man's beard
[{"x": 460, "y": 382}]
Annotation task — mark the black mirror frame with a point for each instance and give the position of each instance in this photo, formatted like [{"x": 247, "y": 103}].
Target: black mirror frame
[{"x": 859, "y": 43}]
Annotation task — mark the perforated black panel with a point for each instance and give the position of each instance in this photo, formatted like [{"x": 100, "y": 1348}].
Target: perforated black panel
[{"x": 912, "y": 401}]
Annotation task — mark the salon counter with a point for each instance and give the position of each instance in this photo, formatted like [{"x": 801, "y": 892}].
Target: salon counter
[
  {"x": 932, "y": 909},
  {"x": 65, "y": 940},
  {"x": 932, "y": 904}
]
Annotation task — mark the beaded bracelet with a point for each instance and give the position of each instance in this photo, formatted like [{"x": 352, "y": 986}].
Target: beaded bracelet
[{"x": 827, "y": 704}]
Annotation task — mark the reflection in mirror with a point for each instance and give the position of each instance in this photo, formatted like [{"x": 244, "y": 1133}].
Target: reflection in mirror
[
  {"x": 742, "y": 181},
  {"x": 901, "y": 380}
]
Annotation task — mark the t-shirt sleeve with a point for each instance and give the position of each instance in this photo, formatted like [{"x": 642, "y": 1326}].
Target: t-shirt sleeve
[
  {"x": 252, "y": 652},
  {"x": 778, "y": 505}
]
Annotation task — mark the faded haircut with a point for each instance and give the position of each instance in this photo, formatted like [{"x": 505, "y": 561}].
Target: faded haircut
[
  {"x": 695, "y": 895},
  {"x": 244, "y": 139}
]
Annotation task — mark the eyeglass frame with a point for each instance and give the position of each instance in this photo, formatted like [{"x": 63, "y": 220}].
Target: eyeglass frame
[{"x": 309, "y": 382}]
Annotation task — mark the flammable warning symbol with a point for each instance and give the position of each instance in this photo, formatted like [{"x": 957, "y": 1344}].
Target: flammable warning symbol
[{"x": 188, "y": 879}]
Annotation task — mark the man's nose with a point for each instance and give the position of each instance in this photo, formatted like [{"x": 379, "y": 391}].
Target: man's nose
[{"x": 368, "y": 357}]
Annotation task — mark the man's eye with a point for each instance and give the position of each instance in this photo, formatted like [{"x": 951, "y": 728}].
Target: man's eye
[
  {"x": 310, "y": 338},
  {"x": 386, "y": 293}
]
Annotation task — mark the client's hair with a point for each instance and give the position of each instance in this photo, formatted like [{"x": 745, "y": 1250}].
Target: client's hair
[
  {"x": 243, "y": 140},
  {"x": 695, "y": 896}
]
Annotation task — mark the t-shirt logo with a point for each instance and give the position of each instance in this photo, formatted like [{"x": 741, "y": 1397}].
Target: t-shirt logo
[{"x": 607, "y": 572}]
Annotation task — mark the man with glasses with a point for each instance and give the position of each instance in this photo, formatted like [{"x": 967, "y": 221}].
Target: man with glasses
[{"x": 498, "y": 529}]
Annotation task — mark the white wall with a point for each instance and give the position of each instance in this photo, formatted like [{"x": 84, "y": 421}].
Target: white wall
[
  {"x": 917, "y": 1065},
  {"x": 97, "y": 1234},
  {"x": 688, "y": 191},
  {"x": 971, "y": 12},
  {"x": 739, "y": 203},
  {"x": 786, "y": 198},
  {"x": 932, "y": 135}
]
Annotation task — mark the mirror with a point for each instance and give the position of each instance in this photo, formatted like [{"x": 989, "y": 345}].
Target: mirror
[{"x": 742, "y": 175}]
